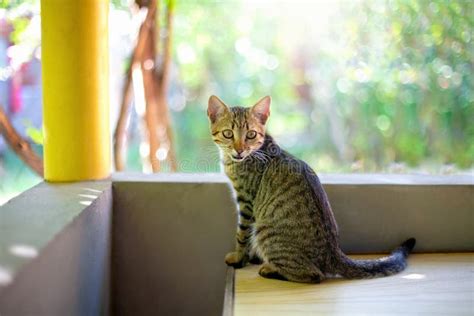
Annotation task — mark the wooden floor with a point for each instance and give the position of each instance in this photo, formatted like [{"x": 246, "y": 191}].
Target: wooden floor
[{"x": 433, "y": 284}]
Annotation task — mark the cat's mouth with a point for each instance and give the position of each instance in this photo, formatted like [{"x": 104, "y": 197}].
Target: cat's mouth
[{"x": 237, "y": 158}]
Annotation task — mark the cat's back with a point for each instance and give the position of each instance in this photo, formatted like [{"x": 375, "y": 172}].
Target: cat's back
[
  {"x": 286, "y": 169},
  {"x": 290, "y": 192},
  {"x": 286, "y": 183}
]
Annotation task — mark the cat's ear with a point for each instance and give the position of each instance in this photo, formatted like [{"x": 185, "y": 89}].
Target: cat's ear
[
  {"x": 261, "y": 109},
  {"x": 216, "y": 108}
]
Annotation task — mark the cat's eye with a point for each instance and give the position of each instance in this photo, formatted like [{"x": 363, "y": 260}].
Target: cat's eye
[
  {"x": 251, "y": 134},
  {"x": 227, "y": 133}
]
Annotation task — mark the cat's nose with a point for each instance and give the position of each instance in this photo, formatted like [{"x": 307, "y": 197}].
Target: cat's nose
[{"x": 239, "y": 151}]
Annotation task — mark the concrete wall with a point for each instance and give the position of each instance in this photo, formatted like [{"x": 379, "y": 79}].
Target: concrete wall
[
  {"x": 170, "y": 236},
  {"x": 171, "y": 232},
  {"x": 55, "y": 250},
  {"x": 378, "y": 217}
]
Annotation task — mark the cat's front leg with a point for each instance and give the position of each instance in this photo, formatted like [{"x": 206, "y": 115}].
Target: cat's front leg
[{"x": 240, "y": 256}]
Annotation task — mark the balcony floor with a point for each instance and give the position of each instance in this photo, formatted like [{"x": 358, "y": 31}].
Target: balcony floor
[{"x": 433, "y": 284}]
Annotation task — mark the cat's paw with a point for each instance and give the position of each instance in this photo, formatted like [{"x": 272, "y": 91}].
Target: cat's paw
[
  {"x": 234, "y": 259},
  {"x": 269, "y": 271}
]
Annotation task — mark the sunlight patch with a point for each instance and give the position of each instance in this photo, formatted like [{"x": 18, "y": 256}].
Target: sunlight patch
[
  {"x": 414, "y": 276},
  {"x": 5, "y": 276},
  {"x": 90, "y": 196},
  {"x": 23, "y": 251}
]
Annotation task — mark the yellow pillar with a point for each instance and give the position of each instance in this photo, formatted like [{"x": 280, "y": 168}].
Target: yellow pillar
[{"x": 75, "y": 89}]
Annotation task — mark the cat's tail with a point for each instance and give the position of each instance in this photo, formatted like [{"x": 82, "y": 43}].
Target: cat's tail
[{"x": 361, "y": 269}]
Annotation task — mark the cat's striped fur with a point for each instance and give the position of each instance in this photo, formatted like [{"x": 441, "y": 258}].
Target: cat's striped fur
[{"x": 285, "y": 218}]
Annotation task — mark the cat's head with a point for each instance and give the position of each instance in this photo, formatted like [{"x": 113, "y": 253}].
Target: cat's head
[{"x": 237, "y": 130}]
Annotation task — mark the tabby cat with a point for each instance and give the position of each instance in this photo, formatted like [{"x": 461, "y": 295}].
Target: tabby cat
[{"x": 285, "y": 219}]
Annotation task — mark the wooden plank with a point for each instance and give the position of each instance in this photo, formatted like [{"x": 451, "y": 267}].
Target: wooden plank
[{"x": 433, "y": 284}]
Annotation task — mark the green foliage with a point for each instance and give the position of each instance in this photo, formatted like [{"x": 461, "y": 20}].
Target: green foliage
[
  {"x": 35, "y": 134},
  {"x": 120, "y": 4},
  {"x": 382, "y": 85},
  {"x": 387, "y": 87},
  {"x": 10, "y": 4},
  {"x": 19, "y": 26},
  {"x": 425, "y": 78}
]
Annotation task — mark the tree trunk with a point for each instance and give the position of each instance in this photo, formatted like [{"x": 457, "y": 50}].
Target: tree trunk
[
  {"x": 155, "y": 84},
  {"x": 20, "y": 146},
  {"x": 163, "y": 82},
  {"x": 120, "y": 135}
]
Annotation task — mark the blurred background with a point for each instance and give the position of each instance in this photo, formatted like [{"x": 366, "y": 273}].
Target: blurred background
[{"x": 367, "y": 86}]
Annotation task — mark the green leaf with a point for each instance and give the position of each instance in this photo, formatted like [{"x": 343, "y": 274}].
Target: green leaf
[{"x": 35, "y": 134}]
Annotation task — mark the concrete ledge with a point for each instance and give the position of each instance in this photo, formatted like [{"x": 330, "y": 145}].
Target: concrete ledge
[
  {"x": 377, "y": 218},
  {"x": 340, "y": 179},
  {"x": 170, "y": 177},
  {"x": 54, "y": 250},
  {"x": 397, "y": 179},
  {"x": 170, "y": 236},
  {"x": 170, "y": 233},
  {"x": 376, "y": 212}
]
